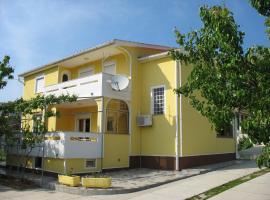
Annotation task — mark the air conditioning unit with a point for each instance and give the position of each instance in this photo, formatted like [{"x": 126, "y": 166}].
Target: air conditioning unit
[{"x": 144, "y": 120}]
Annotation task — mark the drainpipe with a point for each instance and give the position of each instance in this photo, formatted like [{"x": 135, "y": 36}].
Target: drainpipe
[
  {"x": 236, "y": 134},
  {"x": 181, "y": 113},
  {"x": 176, "y": 118}
]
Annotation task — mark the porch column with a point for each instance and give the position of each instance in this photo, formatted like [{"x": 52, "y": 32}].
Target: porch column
[
  {"x": 100, "y": 125},
  {"x": 100, "y": 115}
]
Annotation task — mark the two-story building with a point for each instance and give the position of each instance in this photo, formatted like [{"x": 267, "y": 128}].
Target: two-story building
[{"x": 144, "y": 125}]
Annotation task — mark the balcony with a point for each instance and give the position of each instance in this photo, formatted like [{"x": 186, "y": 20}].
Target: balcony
[
  {"x": 92, "y": 86},
  {"x": 65, "y": 145}
]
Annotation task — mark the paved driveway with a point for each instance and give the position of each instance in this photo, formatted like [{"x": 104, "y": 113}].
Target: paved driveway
[{"x": 181, "y": 189}]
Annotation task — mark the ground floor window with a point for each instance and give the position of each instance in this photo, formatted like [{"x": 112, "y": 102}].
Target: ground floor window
[
  {"x": 90, "y": 163},
  {"x": 38, "y": 162},
  {"x": 226, "y": 131}
]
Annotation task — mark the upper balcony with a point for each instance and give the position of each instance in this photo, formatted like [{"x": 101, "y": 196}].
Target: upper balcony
[{"x": 96, "y": 85}]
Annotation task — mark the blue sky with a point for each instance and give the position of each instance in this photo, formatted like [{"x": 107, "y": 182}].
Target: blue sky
[{"x": 35, "y": 32}]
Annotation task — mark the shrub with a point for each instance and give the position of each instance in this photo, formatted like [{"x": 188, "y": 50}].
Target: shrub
[
  {"x": 263, "y": 160},
  {"x": 244, "y": 143}
]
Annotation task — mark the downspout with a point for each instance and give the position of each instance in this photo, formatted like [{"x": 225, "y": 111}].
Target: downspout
[
  {"x": 176, "y": 118},
  {"x": 181, "y": 112}
]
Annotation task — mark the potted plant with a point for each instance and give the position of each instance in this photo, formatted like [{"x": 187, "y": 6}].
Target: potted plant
[
  {"x": 69, "y": 179},
  {"x": 97, "y": 181}
]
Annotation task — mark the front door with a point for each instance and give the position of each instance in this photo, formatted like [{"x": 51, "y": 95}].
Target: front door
[{"x": 83, "y": 122}]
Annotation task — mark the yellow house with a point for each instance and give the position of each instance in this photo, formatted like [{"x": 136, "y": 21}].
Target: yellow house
[{"x": 145, "y": 124}]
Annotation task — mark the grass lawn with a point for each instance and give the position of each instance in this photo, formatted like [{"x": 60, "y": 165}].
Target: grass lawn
[{"x": 226, "y": 186}]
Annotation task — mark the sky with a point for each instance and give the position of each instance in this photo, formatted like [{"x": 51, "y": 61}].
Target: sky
[{"x": 36, "y": 32}]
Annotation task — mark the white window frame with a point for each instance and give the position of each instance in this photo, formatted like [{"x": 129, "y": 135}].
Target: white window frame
[
  {"x": 85, "y": 69},
  {"x": 90, "y": 159},
  {"x": 39, "y": 77},
  {"x": 82, "y": 116},
  {"x": 152, "y": 99},
  {"x": 109, "y": 63},
  {"x": 67, "y": 73}
]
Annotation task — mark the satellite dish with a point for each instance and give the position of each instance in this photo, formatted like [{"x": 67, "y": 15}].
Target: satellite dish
[{"x": 119, "y": 82}]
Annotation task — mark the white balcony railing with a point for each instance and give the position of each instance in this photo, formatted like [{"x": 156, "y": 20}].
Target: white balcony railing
[
  {"x": 65, "y": 145},
  {"x": 91, "y": 86}
]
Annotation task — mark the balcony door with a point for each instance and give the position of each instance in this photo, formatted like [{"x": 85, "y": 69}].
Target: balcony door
[{"x": 83, "y": 123}]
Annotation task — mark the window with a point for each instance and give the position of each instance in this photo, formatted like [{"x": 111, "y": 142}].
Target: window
[
  {"x": 109, "y": 68},
  {"x": 37, "y": 120},
  {"x": 158, "y": 100},
  {"x": 117, "y": 117},
  {"x": 65, "y": 75},
  {"x": 39, "y": 84},
  {"x": 226, "y": 131},
  {"x": 86, "y": 72},
  {"x": 90, "y": 163},
  {"x": 83, "y": 123},
  {"x": 38, "y": 162},
  {"x": 64, "y": 78}
]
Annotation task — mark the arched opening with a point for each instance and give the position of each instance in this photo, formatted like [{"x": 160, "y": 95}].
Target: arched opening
[
  {"x": 65, "y": 77},
  {"x": 117, "y": 117}
]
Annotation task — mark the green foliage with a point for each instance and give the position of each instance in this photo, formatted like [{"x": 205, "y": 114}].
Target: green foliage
[
  {"x": 263, "y": 160},
  {"x": 263, "y": 7},
  {"x": 244, "y": 143},
  {"x": 6, "y": 71},
  {"x": 215, "y": 86},
  {"x": 27, "y": 138},
  {"x": 225, "y": 79}
]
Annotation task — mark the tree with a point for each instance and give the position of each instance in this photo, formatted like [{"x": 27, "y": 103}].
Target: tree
[
  {"x": 29, "y": 138},
  {"x": 225, "y": 80},
  {"x": 263, "y": 7},
  {"x": 6, "y": 71}
]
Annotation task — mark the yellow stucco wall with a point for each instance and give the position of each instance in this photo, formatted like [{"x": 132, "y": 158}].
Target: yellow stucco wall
[
  {"x": 158, "y": 139},
  {"x": 136, "y": 100},
  {"x": 51, "y": 77},
  {"x": 116, "y": 151},
  {"x": 67, "y": 119},
  {"x": 56, "y": 165},
  {"x": 77, "y": 165},
  {"x": 198, "y": 136},
  {"x": 121, "y": 61}
]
